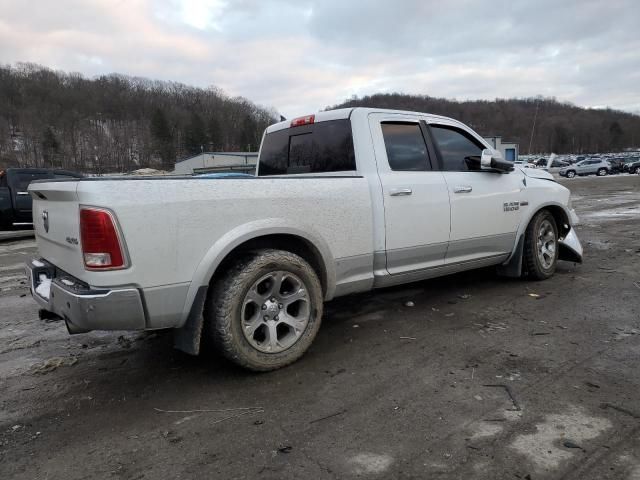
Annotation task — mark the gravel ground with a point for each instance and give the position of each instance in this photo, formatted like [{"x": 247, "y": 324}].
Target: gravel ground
[{"x": 479, "y": 377}]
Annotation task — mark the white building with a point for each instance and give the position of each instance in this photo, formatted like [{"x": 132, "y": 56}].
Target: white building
[
  {"x": 509, "y": 150},
  {"x": 206, "y": 162}
]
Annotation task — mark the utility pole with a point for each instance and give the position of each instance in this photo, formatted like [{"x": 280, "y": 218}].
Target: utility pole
[{"x": 535, "y": 116}]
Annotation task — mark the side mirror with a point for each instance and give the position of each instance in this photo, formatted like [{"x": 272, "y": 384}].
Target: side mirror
[{"x": 492, "y": 160}]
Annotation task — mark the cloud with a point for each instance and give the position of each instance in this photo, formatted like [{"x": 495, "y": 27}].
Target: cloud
[{"x": 301, "y": 55}]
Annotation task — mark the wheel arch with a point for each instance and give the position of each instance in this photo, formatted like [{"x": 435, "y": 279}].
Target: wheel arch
[
  {"x": 269, "y": 233},
  {"x": 289, "y": 242},
  {"x": 512, "y": 266}
]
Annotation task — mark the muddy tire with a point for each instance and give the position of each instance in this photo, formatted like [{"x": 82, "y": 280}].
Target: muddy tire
[
  {"x": 265, "y": 311},
  {"x": 540, "y": 255},
  {"x": 571, "y": 174}
]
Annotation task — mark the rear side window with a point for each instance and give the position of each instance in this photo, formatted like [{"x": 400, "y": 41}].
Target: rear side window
[
  {"x": 405, "y": 145},
  {"x": 455, "y": 146},
  {"x": 318, "y": 148}
]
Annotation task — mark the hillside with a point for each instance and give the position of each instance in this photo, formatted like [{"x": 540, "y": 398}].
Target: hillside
[
  {"x": 116, "y": 123},
  {"x": 559, "y": 128}
]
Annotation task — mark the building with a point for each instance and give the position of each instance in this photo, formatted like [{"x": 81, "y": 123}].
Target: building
[
  {"x": 509, "y": 151},
  {"x": 207, "y": 162}
]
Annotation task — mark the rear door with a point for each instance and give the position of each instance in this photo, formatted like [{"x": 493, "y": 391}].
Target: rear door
[
  {"x": 415, "y": 196},
  {"x": 485, "y": 206}
]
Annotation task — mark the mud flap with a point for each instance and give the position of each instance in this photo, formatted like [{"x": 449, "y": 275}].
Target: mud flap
[
  {"x": 188, "y": 337},
  {"x": 513, "y": 267}
]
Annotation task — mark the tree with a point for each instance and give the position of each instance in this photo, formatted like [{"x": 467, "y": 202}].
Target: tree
[
  {"x": 195, "y": 138},
  {"x": 214, "y": 133},
  {"x": 616, "y": 133},
  {"x": 50, "y": 146},
  {"x": 163, "y": 138}
]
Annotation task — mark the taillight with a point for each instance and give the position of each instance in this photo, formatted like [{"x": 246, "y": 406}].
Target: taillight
[
  {"x": 101, "y": 246},
  {"x": 306, "y": 120}
]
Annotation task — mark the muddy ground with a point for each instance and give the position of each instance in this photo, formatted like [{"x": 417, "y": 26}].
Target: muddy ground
[{"x": 482, "y": 378}]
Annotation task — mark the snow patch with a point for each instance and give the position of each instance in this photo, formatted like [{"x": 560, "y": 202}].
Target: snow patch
[
  {"x": 544, "y": 447},
  {"x": 370, "y": 463},
  {"x": 485, "y": 429},
  {"x": 37, "y": 263},
  {"x": 45, "y": 287}
]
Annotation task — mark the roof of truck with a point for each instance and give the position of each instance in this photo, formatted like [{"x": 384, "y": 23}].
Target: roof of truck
[{"x": 343, "y": 113}]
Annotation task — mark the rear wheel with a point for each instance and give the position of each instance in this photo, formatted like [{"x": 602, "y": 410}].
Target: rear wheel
[
  {"x": 265, "y": 312},
  {"x": 602, "y": 172},
  {"x": 571, "y": 174},
  {"x": 541, "y": 246},
  {"x": 632, "y": 170}
]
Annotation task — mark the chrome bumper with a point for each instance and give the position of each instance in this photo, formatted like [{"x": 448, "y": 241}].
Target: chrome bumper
[
  {"x": 82, "y": 307},
  {"x": 570, "y": 248}
]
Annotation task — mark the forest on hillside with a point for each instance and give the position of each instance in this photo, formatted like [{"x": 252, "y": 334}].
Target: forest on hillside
[
  {"x": 559, "y": 127},
  {"x": 116, "y": 123}
]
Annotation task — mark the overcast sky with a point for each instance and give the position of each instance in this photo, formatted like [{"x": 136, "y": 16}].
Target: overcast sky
[{"x": 299, "y": 56}]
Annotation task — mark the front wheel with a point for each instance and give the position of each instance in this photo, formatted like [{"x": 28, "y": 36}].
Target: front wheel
[
  {"x": 571, "y": 174},
  {"x": 602, "y": 172},
  {"x": 541, "y": 246},
  {"x": 265, "y": 312}
]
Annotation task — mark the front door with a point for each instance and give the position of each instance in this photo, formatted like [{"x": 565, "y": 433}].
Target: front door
[
  {"x": 415, "y": 195},
  {"x": 485, "y": 206}
]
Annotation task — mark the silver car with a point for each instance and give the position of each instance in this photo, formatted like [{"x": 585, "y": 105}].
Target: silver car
[{"x": 593, "y": 166}]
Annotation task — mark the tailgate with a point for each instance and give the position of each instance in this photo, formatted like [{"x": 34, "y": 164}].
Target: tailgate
[{"x": 56, "y": 221}]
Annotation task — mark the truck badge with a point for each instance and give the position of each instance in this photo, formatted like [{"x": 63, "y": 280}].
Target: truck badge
[{"x": 511, "y": 206}]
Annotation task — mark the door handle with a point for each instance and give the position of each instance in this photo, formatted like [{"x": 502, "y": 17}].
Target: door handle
[
  {"x": 400, "y": 192},
  {"x": 462, "y": 189},
  {"x": 22, "y": 193}
]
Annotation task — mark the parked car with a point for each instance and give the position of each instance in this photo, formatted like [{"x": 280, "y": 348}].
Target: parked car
[
  {"x": 632, "y": 167},
  {"x": 616, "y": 165},
  {"x": 593, "y": 166},
  {"x": 541, "y": 162},
  {"x": 343, "y": 201},
  {"x": 15, "y": 202}
]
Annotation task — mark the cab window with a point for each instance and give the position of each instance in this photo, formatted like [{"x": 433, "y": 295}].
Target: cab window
[
  {"x": 455, "y": 147},
  {"x": 322, "y": 147},
  {"x": 405, "y": 145}
]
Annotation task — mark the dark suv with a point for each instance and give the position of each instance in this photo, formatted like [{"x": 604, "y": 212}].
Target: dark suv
[{"x": 15, "y": 201}]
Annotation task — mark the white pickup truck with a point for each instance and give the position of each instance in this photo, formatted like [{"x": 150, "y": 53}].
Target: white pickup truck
[{"x": 343, "y": 201}]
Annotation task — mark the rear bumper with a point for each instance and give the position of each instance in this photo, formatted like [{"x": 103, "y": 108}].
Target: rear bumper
[{"x": 82, "y": 307}]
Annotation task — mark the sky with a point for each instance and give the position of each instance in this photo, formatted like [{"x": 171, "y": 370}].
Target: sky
[{"x": 299, "y": 56}]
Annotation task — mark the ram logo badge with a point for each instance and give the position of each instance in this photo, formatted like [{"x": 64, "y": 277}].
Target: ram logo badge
[{"x": 511, "y": 206}]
